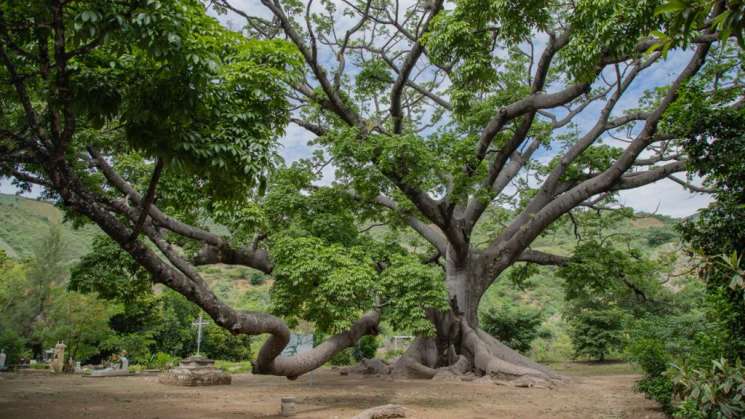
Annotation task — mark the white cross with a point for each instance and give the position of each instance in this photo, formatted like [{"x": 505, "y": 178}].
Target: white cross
[{"x": 199, "y": 323}]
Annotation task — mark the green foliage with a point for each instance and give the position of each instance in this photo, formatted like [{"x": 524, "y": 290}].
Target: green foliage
[
  {"x": 659, "y": 236},
  {"x": 716, "y": 143},
  {"x": 218, "y": 343},
  {"x": 606, "y": 27},
  {"x": 597, "y": 333},
  {"x": 333, "y": 285},
  {"x": 714, "y": 392},
  {"x": 163, "y": 361},
  {"x": 13, "y": 344},
  {"x": 39, "y": 312},
  {"x": 693, "y": 334},
  {"x": 233, "y": 367},
  {"x": 459, "y": 36},
  {"x": 365, "y": 348},
  {"x": 342, "y": 358},
  {"x": 658, "y": 388},
  {"x": 79, "y": 320},
  {"x": 329, "y": 284},
  {"x": 373, "y": 78},
  {"x": 409, "y": 288},
  {"x": 596, "y": 159},
  {"x": 110, "y": 272},
  {"x": 257, "y": 279},
  {"x": 164, "y": 79},
  {"x": 514, "y": 325},
  {"x": 686, "y": 18}
]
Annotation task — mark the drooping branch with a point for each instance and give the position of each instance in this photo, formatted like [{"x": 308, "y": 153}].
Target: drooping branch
[
  {"x": 183, "y": 278},
  {"x": 215, "y": 248},
  {"x": 690, "y": 186},
  {"x": 149, "y": 198}
]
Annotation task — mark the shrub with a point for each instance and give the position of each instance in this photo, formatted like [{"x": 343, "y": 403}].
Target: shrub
[
  {"x": 218, "y": 343},
  {"x": 516, "y": 326},
  {"x": 715, "y": 392},
  {"x": 650, "y": 354},
  {"x": 658, "y": 388},
  {"x": 257, "y": 279},
  {"x": 136, "y": 368},
  {"x": 342, "y": 358},
  {"x": 163, "y": 361},
  {"x": 595, "y": 333},
  {"x": 652, "y": 357},
  {"x": 14, "y": 346},
  {"x": 365, "y": 348}
]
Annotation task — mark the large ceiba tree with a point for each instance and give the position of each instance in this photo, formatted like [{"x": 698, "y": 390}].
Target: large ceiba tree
[{"x": 154, "y": 122}]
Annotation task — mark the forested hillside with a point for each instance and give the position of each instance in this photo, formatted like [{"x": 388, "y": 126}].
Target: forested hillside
[{"x": 23, "y": 222}]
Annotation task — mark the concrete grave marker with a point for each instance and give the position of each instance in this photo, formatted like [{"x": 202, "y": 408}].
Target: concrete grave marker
[{"x": 58, "y": 359}]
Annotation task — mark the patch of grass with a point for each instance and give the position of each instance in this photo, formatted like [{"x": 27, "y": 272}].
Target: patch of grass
[
  {"x": 594, "y": 368},
  {"x": 233, "y": 367}
]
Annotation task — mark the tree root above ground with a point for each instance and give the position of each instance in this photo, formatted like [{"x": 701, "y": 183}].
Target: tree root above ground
[{"x": 482, "y": 358}]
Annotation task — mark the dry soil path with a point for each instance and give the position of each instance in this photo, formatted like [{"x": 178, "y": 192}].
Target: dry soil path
[{"x": 43, "y": 396}]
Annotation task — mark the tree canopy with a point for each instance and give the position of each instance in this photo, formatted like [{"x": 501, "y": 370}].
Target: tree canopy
[{"x": 159, "y": 125}]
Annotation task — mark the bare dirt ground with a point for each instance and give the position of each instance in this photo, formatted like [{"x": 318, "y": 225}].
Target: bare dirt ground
[{"x": 592, "y": 392}]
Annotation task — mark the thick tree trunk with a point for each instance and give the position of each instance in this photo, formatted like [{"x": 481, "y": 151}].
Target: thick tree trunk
[{"x": 460, "y": 346}]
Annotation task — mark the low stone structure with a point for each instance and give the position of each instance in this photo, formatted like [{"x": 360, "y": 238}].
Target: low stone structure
[{"x": 195, "y": 371}]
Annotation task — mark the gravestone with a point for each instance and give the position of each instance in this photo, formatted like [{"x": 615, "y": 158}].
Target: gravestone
[
  {"x": 195, "y": 371},
  {"x": 58, "y": 359},
  {"x": 116, "y": 370}
]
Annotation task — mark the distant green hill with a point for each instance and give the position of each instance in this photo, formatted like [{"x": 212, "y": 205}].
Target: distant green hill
[{"x": 24, "y": 221}]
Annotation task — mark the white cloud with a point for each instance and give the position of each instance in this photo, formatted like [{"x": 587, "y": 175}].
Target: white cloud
[{"x": 665, "y": 197}]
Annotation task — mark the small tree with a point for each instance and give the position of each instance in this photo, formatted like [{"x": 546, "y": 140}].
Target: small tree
[{"x": 596, "y": 333}]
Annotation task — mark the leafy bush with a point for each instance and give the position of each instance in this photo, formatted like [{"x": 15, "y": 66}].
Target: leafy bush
[
  {"x": 650, "y": 354},
  {"x": 517, "y": 326},
  {"x": 136, "y": 368},
  {"x": 163, "y": 361},
  {"x": 716, "y": 392},
  {"x": 218, "y": 343},
  {"x": 365, "y": 348},
  {"x": 595, "y": 333},
  {"x": 257, "y": 279},
  {"x": 14, "y": 346},
  {"x": 342, "y": 358},
  {"x": 658, "y": 388}
]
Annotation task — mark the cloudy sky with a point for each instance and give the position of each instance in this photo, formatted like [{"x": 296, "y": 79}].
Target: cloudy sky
[{"x": 664, "y": 197}]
